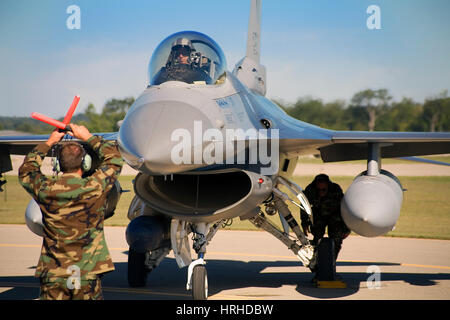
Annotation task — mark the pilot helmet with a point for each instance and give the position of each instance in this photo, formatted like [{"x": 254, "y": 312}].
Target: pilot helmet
[{"x": 181, "y": 46}]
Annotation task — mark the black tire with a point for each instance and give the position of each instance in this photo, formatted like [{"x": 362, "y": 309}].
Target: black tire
[
  {"x": 326, "y": 263},
  {"x": 137, "y": 272},
  {"x": 199, "y": 283}
]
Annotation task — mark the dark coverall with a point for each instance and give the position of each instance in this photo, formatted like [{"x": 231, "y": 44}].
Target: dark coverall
[{"x": 325, "y": 198}]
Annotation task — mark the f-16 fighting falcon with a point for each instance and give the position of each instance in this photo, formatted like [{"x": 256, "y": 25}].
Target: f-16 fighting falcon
[{"x": 210, "y": 147}]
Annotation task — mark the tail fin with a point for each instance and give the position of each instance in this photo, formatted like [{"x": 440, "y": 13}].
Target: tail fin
[
  {"x": 248, "y": 70},
  {"x": 254, "y": 31}
]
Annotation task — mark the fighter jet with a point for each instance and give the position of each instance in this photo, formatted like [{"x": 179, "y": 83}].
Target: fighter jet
[{"x": 209, "y": 147}]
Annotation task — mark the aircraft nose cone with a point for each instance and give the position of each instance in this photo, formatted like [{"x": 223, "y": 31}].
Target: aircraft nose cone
[{"x": 153, "y": 133}]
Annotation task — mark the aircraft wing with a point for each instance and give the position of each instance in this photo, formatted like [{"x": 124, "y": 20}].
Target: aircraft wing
[
  {"x": 353, "y": 145},
  {"x": 298, "y": 137}
]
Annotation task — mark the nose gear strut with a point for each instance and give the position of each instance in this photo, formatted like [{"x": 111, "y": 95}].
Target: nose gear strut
[{"x": 301, "y": 246}]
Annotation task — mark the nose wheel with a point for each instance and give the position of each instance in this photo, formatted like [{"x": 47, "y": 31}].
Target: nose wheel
[
  {"x": 199, "y": 283},
  {"x": 197, "y": 277},
  {"x": 198, "y": 280}
]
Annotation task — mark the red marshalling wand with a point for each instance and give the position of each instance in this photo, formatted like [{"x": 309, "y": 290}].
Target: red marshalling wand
[{"x": 64, "y": 125}]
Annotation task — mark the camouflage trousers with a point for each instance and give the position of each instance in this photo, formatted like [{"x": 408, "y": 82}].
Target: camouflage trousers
[
  {"x": 337, "y": 230},
  {"x": 58, "y": 289}
]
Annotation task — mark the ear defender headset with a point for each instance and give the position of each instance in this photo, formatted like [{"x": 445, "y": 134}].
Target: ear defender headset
[{"x": 86, "y": 161}]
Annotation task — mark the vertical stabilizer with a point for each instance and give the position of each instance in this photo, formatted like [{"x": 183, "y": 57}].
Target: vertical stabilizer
[
  {"x": 248, "y": 70},
  {"x": 254, "y": 31}
]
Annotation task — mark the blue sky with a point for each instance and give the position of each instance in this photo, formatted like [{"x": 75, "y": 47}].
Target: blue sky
[{"x": 312, "y": 48}]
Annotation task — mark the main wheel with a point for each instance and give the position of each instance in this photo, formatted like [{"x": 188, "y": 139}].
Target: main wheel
[
  {"x": 326, "y": 263},
  {"x": 137, "y": 272},
  {"x": 199, "y": 283}
]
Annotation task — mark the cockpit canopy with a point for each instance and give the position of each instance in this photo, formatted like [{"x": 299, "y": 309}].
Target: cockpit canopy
[{"x": 187, "y": 56}]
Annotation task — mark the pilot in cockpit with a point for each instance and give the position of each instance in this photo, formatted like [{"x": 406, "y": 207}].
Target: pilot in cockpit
[
  {"x": 180, "y": 52},
  {"x": 184, "y": 64}
]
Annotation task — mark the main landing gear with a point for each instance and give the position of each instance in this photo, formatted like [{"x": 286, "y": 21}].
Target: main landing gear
[{"x": 140, "y": 264}]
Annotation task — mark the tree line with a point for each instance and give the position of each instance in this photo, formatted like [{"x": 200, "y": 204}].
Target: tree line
[
  {"x": 107, "y": 120},
  {"x": 374, "y": 110},
  {"x": 369, "y": 109}
]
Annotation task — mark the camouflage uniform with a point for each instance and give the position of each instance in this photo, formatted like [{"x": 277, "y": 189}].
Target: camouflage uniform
[
  {"x": 74, "y": 252},
  {"x": 57, "y": 289},
  {"x": 326, "y": 212}
]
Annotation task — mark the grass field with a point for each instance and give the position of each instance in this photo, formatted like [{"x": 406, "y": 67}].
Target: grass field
[{"x": 425, "y": 212}]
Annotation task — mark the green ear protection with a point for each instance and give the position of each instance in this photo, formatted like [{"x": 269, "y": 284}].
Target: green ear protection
[{"x": 86, "y": 162}]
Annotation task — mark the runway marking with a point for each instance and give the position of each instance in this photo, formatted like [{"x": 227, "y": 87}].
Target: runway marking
[
  {"x": 423, "y": 266},
  {"x": 13, "y": 245}
]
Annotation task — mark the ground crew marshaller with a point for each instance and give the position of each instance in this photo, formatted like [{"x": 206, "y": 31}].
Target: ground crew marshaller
[
  {"x": 74, "y": 254},
  {"x": 325, "y": 199}
]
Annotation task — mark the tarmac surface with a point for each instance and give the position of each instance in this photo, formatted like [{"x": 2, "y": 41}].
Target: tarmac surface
[{"x": 251, "y": 265}]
